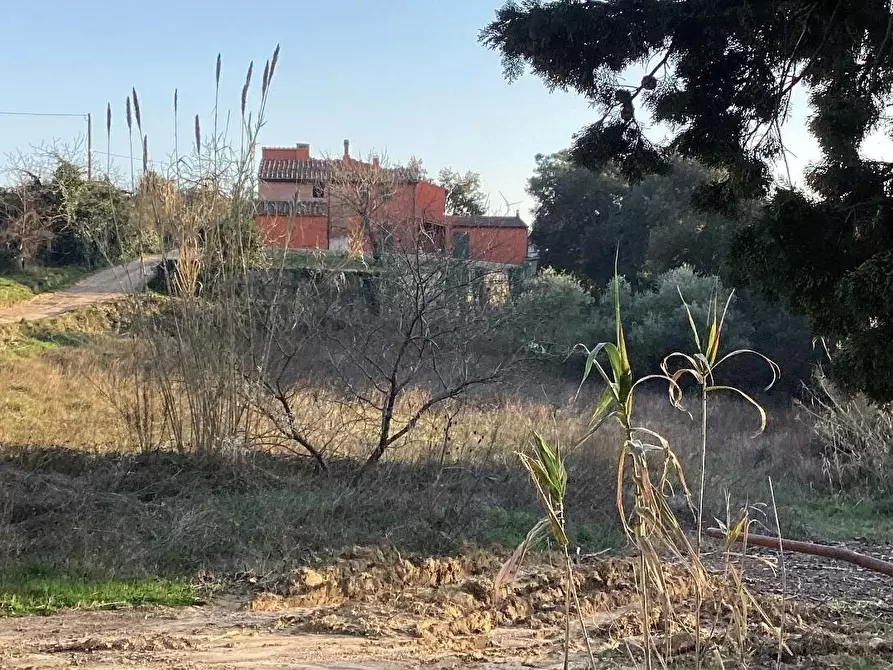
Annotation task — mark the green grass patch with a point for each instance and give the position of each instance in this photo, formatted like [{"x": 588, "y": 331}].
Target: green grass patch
[
  {"x": 70, "y": 329},
  {"x": 508, "y": 528},
  {"x": 18, "y": 286},
  {"x": 839, "y": 519},
  {"x": 26, "y": 347},
  {"x": 37, "y": 591},
  {"x": 13, "y": 291},
  {"x": 861, "y": 664},
  {"x": 32, "y": 339},
  {"x": 44, "y": 280}
]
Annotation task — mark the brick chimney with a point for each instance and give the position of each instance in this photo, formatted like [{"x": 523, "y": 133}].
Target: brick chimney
[
  {"x": 297, "y": 152},
  {"x": 375, "y": 162},
  {"x": 346, "y": 149}
]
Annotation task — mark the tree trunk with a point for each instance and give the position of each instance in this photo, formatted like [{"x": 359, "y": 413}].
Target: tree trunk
[
  {"x": 824, "y": 550},
  {"x": 384, "y": 433}
]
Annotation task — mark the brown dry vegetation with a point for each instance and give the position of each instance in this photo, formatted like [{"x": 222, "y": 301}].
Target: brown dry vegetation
[
  {"x": 264, "y": 524},
  {"x": 454, "y": 479}
]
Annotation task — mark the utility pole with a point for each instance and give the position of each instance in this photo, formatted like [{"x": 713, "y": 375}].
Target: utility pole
[
  {"x": 89, "y": 147},
  {"x": 89, "y": 118}
]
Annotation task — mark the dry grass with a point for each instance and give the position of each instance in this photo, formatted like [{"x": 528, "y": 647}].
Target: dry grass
[
  {"x": 856, "y": 436},
  {"x": 105, "y": 506},
  {"x": 459, "y": 461},
  {"x": 49, "y": 400},
  {"x": 53, "y": 375},
  {"x": 64, "y": 397}
]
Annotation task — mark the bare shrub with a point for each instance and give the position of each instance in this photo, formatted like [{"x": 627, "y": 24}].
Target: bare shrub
[
  {"x": 121, "y": 383},
  {"x": 425, "y": 329},
  {"x": 27, "y": 226},
  {"x": 285, "y": 382},
  {"x": 856, "y": 437},
  {"x": 350, "y": 365},
  {"x": 193, "y": 352}
]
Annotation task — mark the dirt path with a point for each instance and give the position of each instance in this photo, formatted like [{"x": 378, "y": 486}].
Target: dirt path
[
  {"x": 192, "y": 638},
  {"x": 219, "y": 638},
  {"x": 104, "y": 285}
]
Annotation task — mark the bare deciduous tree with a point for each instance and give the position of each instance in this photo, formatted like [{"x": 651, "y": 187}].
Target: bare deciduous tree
[
  {"x": 431, "y": 331},
  {"x": 370, "y": 203},
  {"x": 283, "y": 383},
  {"x": 331, "y": 370}
]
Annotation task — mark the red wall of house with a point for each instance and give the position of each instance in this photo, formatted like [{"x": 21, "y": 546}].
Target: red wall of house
[
  {"x": 294, "y": 232},
  {"x": 400, "y": 213},
  {"x": 430, "y": 201},
  {"x": 401, "y": 205},
  {"x": 496, "y": 245},
  {"x": 396, "y": 214},
  {"x": 410, "y": 206}
]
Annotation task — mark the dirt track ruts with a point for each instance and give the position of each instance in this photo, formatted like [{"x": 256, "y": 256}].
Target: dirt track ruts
[
  {"x": 204, "y": 638},
  {"x": 108, "y": 284}
]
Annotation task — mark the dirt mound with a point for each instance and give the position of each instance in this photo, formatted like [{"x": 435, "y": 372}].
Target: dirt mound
[
  {"x": 378, "y": 609},
  {"x": 366, "y": 574},
  {"x": 449, "y": 601},
  {"x": 449, "y": 604}
]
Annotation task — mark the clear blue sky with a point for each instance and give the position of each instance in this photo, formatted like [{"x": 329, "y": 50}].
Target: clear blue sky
[{"x": 404, "y": 76}]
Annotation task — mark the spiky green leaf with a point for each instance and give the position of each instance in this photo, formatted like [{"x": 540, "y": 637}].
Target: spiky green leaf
[
  {"x": 691, "y": 320},
  {"x": 608, "y": 398}
]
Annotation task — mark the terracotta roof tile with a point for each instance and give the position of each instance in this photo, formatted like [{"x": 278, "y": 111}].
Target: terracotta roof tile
[
  {"x": 486, "y": 221},
  {"x": 291, "y": 207},
  {"x": 295, "y": 170},
  {"x": 314, "y": 169}
]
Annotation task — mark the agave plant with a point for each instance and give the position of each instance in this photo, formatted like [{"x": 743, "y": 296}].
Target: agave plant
[
  {"x": 646, "y": 460},
  {"x": 549, "y": 478},
  {"x": 701, "y": 366}
]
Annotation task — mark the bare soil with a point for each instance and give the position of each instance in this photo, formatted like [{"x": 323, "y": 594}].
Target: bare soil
[{"x": 373, "y": 610}]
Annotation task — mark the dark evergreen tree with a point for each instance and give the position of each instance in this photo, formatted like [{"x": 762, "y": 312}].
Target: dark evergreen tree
[
  {"x": 582, "y": 215},
  {"x": 464, "y": 195},
  {"x": 720, "y": 76}
]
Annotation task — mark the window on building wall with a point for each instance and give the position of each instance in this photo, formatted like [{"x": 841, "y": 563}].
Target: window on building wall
[{"x": 319, "y": 191}]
